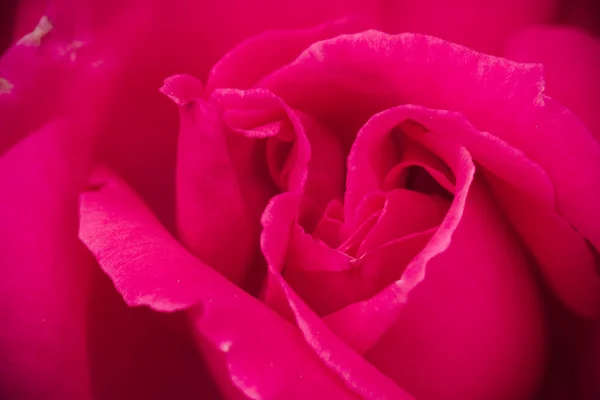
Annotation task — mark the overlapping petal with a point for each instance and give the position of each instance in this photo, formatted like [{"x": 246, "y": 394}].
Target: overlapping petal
[
  {"x": 496, "y": 96},
  {"x": 256, "y": 346},
  {"x": 45, "y": 272}
]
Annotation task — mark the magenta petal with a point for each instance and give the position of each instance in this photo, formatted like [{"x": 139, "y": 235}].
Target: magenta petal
[
  {"x": 120, "y": 231},
  {"x": 356, "y": 373},
  {"x": 211, "y": 211},
  {"x": 571, "y": 60},
  {"x": 363, "y": 323},
  {"x": 264, "y": 355},
  {"x": 244, "y": 66},
  {"x": 328, "y": 280},
  {"x": 503, "y": 100},
  {"x": 45, "y": 274},
  {"x": 474, "y": 323},
  {"x": 405, "y": 212}
]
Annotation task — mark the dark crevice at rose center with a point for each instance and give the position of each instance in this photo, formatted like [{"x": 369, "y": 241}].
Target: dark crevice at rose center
[
  {"x": 280, "y": 156},
  {"x": 416, "y": 169},
  {"x": 419, "y": 180}
]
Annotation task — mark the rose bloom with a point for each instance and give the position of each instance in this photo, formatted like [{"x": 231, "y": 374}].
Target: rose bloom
[{"x": 300, "y": 200}]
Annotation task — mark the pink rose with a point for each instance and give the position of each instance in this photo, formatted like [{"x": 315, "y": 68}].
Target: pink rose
[{"x": 344, "y": 213}]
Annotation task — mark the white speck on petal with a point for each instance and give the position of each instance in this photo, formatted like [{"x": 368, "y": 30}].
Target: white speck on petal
[
  {"x": 225, "y": 346},
  {"x": 71, "y": 49},
  {"x": 250, "y": 391},
  {"x": 34, "y": 38},
  {"x": 5, "y": 86}
]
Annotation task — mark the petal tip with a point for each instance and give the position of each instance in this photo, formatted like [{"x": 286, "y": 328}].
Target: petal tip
[{"x": 182, "y": 88}]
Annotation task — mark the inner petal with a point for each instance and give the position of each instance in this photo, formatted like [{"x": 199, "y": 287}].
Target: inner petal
[
  {"x": 328, "y": 228},
  {"x": 405, "y": 212},
  {"x": 281, "y": 156}
]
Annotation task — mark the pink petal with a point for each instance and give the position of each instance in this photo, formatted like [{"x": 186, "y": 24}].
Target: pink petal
[
  {"x": 328, "y": 280},
  {"x": 263, "y": 355},
  {"x": 156, "y": 37},
  {"x": 353, "y": 370},
  {"x": 363, "y": 323},
  {"x": 495, "y": 95},
  {"x": 479, "y": 24},
  {"x": 468, "y": 348},
  {"x": 241, "y": 68},
  {"x": 211, "y": 212},
  {"x": 38, "y": 75},
  {"x": 45, "y": 277},
  {"x": 405, "y": 212},
  {"x": 571, "y": 60},
  {"x": 301, "y": 154},
  {"x": 135, "y": 353},
  {"x": 329, "y": 227},
  {"x": 467, "y": 342},
  {"x": 475, "y": 323},
  {"x": 376, "y": 156}
]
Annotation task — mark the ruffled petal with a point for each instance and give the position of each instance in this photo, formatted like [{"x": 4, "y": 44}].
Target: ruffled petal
[
  {"x": 263, "y": 355},
  {"x": 242, "y": 67},
  {"x": 571, "y": 60},
  {"x": 357, "y": 374},
  {"x": 45, "y": 274},
  {"x": 363, "y": 323}
]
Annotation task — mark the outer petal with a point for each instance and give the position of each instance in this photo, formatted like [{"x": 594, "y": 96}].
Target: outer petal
[
  {"x": 475, "y": 323},
  {"x": 571, "y": 60},
  {"x": 243, "y": 67},
  {"x": 44, "y": 274},
  {"x": 211, "y": 212},
  {"x": 497, "y": 96},
  {"x": 149, "y": 268},
  {"x": 479, "y": 24}
]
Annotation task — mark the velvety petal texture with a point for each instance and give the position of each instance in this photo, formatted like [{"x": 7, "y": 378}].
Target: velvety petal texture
[
  {"x": 325, "y": 212},
  {"x": 256, "y": 346}
]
